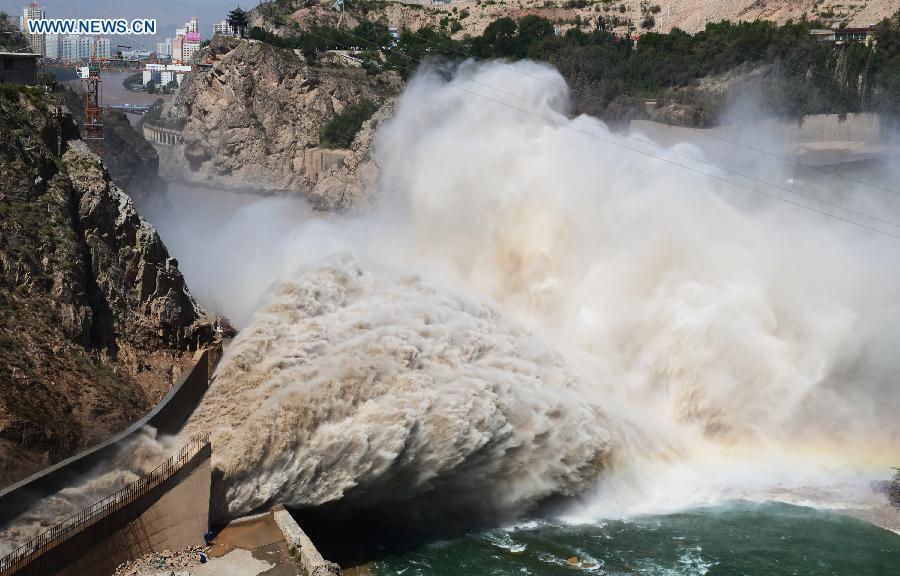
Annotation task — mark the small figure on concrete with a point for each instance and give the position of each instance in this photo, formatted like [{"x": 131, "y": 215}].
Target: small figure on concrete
[{"x": 203, "y": 557}]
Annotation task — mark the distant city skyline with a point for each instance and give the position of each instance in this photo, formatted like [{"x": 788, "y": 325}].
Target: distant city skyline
[{"x": 169, "y": 14}]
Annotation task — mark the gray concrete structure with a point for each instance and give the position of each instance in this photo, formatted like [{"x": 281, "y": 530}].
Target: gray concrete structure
[
  {"x": 166, "y": 510},
  {"x": 16, "y": 68},
  {"x": 817, "y": 139},
  {"x": 319, "y": 160},
  {"x": 159, "y": 136},
  {"x": 311, "y": 561},
  {"x": 167, "y": 417}
]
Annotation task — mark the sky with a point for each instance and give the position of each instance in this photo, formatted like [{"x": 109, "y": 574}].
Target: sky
[{"x": 169, "y": 14}]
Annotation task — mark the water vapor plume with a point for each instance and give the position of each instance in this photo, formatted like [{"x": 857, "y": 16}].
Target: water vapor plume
[{"x": 540, "y": 306}]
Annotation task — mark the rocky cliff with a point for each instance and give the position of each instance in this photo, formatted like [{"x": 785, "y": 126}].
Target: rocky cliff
[
  {"x": 132, "y": 162},
  {"x": 95, "y": 318},
  {"x": 471, "y": 17},
  {"x": 249, "y": 118},
  {"x": 352, "y": 182}
]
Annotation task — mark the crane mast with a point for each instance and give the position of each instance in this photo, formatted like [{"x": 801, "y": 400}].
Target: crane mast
[{"x": 93, "y": 120}]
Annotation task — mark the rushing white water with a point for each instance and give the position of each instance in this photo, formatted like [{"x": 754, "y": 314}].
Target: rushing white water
[
  {"x": 540, "y": 307},
  {"x": 534, "y": 310},
  {"x": 142, "y": 454}
]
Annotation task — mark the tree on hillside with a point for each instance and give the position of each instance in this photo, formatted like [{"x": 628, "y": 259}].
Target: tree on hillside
[
  {"x": 238, "y": 21},
  {"x": 342, "y": 128}
]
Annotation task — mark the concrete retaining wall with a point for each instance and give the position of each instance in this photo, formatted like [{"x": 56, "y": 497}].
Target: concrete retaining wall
[
  {"x": 318, "y": 160},
  {"x": 171, "y": 516},
  {"x": 815, "y": 128},
  {"x": 311, "y": 561},
  {"x": 167, "y": 417}
]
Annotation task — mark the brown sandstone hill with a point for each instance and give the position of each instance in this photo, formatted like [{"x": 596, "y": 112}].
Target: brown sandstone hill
[{"x": 473, "y": 16}]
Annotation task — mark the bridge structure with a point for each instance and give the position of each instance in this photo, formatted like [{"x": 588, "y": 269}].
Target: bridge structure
[
  {"x": 159, "y": 136},
  {"x": 130, "y": 108}
]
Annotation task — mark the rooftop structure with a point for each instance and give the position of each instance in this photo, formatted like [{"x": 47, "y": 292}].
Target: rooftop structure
[
  {"x": 845, "y": 35},
  {"x": 18, "y": 68}
]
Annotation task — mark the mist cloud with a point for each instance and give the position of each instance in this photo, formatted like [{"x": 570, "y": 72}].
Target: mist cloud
[{"x": 519, "y": 271}]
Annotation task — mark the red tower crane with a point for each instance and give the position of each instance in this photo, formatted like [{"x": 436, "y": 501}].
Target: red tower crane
[{"x": 93, "y": 120}]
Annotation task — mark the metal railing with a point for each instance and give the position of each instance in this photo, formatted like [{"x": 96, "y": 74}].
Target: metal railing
[{"x": 112, "y": 503}]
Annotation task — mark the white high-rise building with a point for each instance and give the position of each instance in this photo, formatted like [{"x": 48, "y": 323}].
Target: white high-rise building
[
  {"x": 191, "y": 25},
  {"x": 164, "y": 49},
  {"x": 188, "y": 49},
  {"x": 104, "y": 48},
  {"x": 223, "y": 28},
  {"x": 51, "y": 45},
  {"x": 77, "y": 47},
  {"x": 35, "y": 41}
]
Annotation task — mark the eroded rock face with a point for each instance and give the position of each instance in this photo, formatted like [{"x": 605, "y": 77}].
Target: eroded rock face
[
  {"x": 252, "y": 114},
  {"x": 352, "y": 182},
  {"x": 141, "y": 283},
  {"x": 95, "y": 319},
  {"x": 132, "y": 162}
]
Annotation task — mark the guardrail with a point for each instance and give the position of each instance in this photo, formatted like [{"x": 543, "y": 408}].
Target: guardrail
[
  {"x": 29, "y": 551},
  {"x": 161, "y": 136}
]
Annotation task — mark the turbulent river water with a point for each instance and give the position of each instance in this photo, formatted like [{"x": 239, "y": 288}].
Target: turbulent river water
[
  {"x": 738, "y": 539},
  {"x": 539, "y": 309},
  {"x": 541, "y": 312}
]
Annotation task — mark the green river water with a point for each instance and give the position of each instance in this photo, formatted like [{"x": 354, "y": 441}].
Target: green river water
[{"x": 742, "y": 538}]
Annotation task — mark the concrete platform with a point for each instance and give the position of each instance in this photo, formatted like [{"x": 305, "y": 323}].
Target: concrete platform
[{"x": 258, "y": 536}]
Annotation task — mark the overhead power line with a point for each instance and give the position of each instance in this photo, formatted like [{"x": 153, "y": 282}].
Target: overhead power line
[{"x": 569, "y": 126}]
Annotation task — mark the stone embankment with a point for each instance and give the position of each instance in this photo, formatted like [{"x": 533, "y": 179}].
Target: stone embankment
[
  {"x": 268, "y": 543},
  {"x": 309, "y": 558}
]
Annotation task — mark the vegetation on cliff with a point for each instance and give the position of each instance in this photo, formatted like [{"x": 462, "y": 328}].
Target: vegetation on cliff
[
  {"x": 11, "y": 38},
  {"x": 340, "y": 130},
  {"x": 610, "y": 73},
  {"x": 94, "y": 315}
]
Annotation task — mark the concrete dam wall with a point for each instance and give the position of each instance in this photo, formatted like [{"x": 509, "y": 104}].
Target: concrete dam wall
[
  {"x": 815, "y": 139},
  {"x": 167, "y": 509},
  {"x": 167, "y": 417}
]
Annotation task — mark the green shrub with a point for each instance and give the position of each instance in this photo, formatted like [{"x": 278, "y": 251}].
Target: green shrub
[{"x": 342, "y": 128}]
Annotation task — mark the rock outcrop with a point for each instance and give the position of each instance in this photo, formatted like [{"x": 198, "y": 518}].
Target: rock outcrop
[
  {"x": 352, "y": 182},
  {"x": 95, "y": 318},
  {"x": 250, "y": 117},
  {"x": 132, "y": 162}
]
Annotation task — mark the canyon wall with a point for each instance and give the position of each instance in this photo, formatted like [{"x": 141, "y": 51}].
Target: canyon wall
[
  {"x": 248, "y": 119},
  {"x": 95, "y": 318}
]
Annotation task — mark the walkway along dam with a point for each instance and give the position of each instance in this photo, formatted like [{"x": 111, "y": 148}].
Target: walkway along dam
[{"x": 166, "y": 509}]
